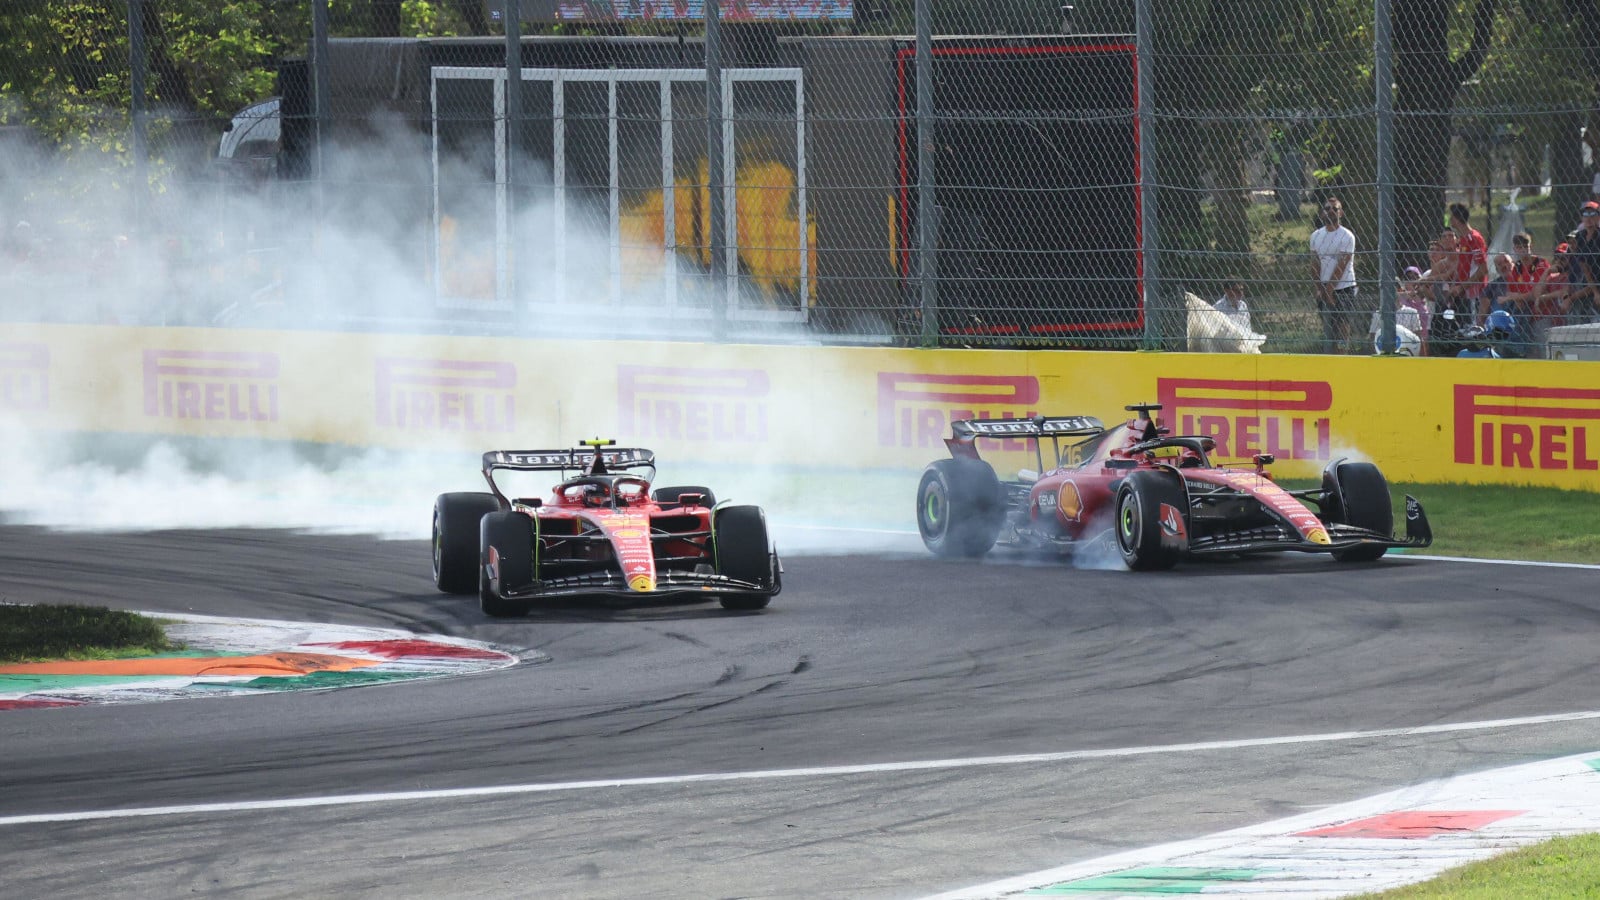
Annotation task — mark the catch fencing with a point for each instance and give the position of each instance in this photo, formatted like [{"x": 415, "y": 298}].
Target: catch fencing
[{"x": 1004, "y": 174}]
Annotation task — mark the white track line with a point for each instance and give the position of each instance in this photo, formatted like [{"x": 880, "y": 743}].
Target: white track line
[{"x": 816, "y": 772}]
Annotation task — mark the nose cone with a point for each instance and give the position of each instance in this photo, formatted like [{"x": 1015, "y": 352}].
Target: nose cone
[{"x": 642, "y": 584}]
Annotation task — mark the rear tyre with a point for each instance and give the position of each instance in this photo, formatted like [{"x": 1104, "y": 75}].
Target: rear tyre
[
  {"x": 510, "y": 535},
  {"x": 743, "y": 552},
  {"x": 668, "y": 495},
  {"x": 455, "y": 539},
  {"x": 1359, "y": 495},
  {"x": 1146, "y": 543},
  {"x": 960, "y": 508}
]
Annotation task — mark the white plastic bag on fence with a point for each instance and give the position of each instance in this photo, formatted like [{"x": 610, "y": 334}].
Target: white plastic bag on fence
[{"x": 1211, "y": 331}]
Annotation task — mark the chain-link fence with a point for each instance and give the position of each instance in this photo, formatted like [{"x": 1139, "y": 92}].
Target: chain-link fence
[{"x": 1010, "y": 174}]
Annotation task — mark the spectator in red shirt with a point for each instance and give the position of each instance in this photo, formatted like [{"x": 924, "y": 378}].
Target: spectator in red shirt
[
  {"x": 1472, "y": 261},
  {"x": 1526, "y": 271}
]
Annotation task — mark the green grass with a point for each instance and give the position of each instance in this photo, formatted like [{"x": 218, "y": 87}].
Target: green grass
[
  {"x": 1504, "y": 521},
  {"x": 1553, "y": 870},
  {"x": 29, "y": 633}
]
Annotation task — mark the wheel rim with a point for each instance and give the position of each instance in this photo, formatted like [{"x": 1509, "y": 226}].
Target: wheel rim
[
  {"x": 935, "y": 509},
  {"x": 1127, "y": 522},
  {"x": 438, "y": 547}
]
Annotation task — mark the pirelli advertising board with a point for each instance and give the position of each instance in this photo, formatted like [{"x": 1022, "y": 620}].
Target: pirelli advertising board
[{"x": 1473, "y": 421}]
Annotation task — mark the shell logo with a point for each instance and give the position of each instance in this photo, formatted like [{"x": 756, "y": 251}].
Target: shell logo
[
  {"x": 643, "y": 584},
  {"x": 1068, "y": 501},
  {"x": 629, "y": 533},
  {"x": 1318, "y": 535}
]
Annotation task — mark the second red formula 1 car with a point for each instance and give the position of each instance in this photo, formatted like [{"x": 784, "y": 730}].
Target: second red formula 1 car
[
  {"x": 1159, "y": 496},
  {"x": 602, "y": 531}
]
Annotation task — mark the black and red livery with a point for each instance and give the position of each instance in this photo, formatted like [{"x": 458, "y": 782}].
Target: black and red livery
[
  {"x": 1157, "y": 497},
  {"x": 603, "y": 530}
]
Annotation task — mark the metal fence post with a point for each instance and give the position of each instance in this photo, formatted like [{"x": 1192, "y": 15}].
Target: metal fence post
[
  {"x": 136, "y": 112},
  {"x": 513, "y": 16},
  {"x": 1149, "y": 262},
  {"x": 716, "y": 182},
  {"x": 927, "y": 168},
  {"x": 1383, "y": 46},
  {"x": 323, "y": 111}
]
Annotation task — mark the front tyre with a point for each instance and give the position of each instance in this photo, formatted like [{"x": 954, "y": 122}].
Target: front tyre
[
  {"x": 510, "y": 536},
  {"x": 960, "y": 508},
  {"x": 1359, "y": 496},
  {"x": 1151, "y": 520},
  {"x": 743, "y": 552},
  {"x": 455, "y": 539}
]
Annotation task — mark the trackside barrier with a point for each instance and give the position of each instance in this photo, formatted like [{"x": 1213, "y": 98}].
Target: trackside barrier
[{"x": 1426, "y": 420}]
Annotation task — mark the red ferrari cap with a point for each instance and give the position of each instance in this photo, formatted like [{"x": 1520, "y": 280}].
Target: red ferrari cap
[{"x": 1591, "y": 205}]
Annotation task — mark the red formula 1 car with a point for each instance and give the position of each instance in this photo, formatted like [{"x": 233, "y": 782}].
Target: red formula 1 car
[
  {"x": 602, "y": 531},
  {"x": 1159, "y": 497}
]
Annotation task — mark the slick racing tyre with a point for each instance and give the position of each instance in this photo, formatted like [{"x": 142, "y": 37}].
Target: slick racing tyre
[
  {"x": 510, "y": 535},
  {"x": 742, "y": 552},
  {"x": 960, "y": 508},
  {"x": 1359, "y": 495},
  {"x": 1151, "y": 520},
  {"x": 669, "y": 495},
  {"x": 455, "y": 539}
]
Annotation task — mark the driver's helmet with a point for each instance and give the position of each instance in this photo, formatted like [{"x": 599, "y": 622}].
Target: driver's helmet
[
  {"x": 1500, "y": 325},
  {"x": 1189, "y": 458},
  {"x": 596, "y": 494}
]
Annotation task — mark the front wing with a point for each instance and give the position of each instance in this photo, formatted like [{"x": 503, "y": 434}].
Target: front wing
[
  {"x": 613, "y": 584},
  {"x": 1340, "y": 537}
]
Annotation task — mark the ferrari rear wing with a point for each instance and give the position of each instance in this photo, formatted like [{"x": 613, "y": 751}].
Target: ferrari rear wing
[
  {"x": 963, "y": 441},
  {"x": 561, "y": 460},
  {"x": 1038, "y": 426}
]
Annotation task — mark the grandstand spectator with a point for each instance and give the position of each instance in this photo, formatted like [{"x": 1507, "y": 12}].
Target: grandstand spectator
[
  {"x": 1333, "y": 250},
  {"x": 1547, "y": 299},
  {"x": 1578, "y": 307},
  {"x": 1232, "y": 303},
  {"x": 1472, "y": 261},
  {"x": 1495, "y": 293}
]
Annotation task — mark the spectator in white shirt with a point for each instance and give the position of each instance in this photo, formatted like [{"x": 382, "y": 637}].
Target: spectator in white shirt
[{"x": 1233, "y": 305}]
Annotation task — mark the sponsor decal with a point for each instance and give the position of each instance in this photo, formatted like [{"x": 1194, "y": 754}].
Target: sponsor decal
[
  {"x": 214, "y": 385},
  {"x": 1171, "y": 520},
  {"x": 1069, "y": 501},
  {"x": 916, "y": 409},
  {"x": 1047, "y": 503},
  {"x": 24, "y": 377},
  {"x": 642, "y": 584},
  {"x": 1542, "y": 428},
  {"x": 1318, "y": 535},
  {"x": 445, "y": 394},
  {"x": 693, "y": 404},
  {"x": 1246, "y": 417},
  {"x": 1276, "y": 499},
  {"x": 628, "y": 533}
]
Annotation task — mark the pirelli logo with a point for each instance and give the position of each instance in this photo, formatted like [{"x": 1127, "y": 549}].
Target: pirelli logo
[
  {"x": 24, "y": 377},
  {"x": 1288, "y": 419},
  {"x": 915, "y": 409},
  {"x": 1545, "y": 428},
  {"x": 215, "y": 385},
  {"x": 445, "y": 395},
  {"x": 693, "y": 404}
]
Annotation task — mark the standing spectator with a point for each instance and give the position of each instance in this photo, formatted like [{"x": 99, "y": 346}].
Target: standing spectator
[
  {"x": 1495, "y": 293},
  {"x": 1547, "y": 298},
  {"x": 1472, "y": 261},
  {"x": 1526, "y": 272},
  {"x": 1333, "y": 251},
  {"x": 1233, "y": 305},
  {"x": 1584, "y": 279}
]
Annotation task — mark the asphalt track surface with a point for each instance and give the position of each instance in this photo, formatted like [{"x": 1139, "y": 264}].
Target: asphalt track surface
[{"x": 865, "y": 661}]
